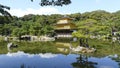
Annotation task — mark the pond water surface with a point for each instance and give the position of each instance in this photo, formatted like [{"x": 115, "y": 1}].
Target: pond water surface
[{"x": 48, "y": 60}]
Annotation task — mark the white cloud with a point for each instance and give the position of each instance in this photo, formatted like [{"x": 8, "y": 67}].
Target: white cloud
[
  {"x": 47, "y": 55},
  {"x": 40, "y": 11},
  {"x": 21, "y": 54}
]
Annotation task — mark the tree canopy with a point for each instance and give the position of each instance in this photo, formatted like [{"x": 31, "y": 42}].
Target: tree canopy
[
  {"x": 54, "y": 2},
  {"x": 93, "y": 23},
  {"x": 3, "y": 11}
]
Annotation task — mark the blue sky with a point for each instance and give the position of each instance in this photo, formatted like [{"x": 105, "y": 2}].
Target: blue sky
[{"x": 22, "y": 7}]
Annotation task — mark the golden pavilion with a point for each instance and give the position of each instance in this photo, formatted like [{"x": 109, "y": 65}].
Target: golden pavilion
[{"x": 64, "y": 27}]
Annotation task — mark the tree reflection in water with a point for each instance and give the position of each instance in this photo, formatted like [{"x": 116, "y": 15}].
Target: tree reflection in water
[
  {"x": 116, "y": 58},
  {"x": 24, "y": 66},
  {"x": 83, "y": 62}
]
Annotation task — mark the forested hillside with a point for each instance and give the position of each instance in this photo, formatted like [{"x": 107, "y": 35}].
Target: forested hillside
[{"x": 97, "y": 22}]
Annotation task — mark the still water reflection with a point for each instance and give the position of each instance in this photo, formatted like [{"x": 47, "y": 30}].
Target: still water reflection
[{"x": 49, "y": 60}]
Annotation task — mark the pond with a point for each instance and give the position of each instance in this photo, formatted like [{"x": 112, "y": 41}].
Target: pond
[
  {"x": 57, "y": 55},
  {"x": 49, "y": 60}
]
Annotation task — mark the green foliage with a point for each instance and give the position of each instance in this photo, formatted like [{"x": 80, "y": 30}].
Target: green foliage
[
  {"x": 79, "y": 35},
  {"x": 85, "y": 28},
  {"x": 54, "y": 2},
  {"x": 3, "y": 11},
  {"x": 89, "y": 23},
  {"x": 31, "y": 25}
]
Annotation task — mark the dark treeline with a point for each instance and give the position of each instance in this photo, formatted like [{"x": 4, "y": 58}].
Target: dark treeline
[{"x": 89, "y": 23}]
